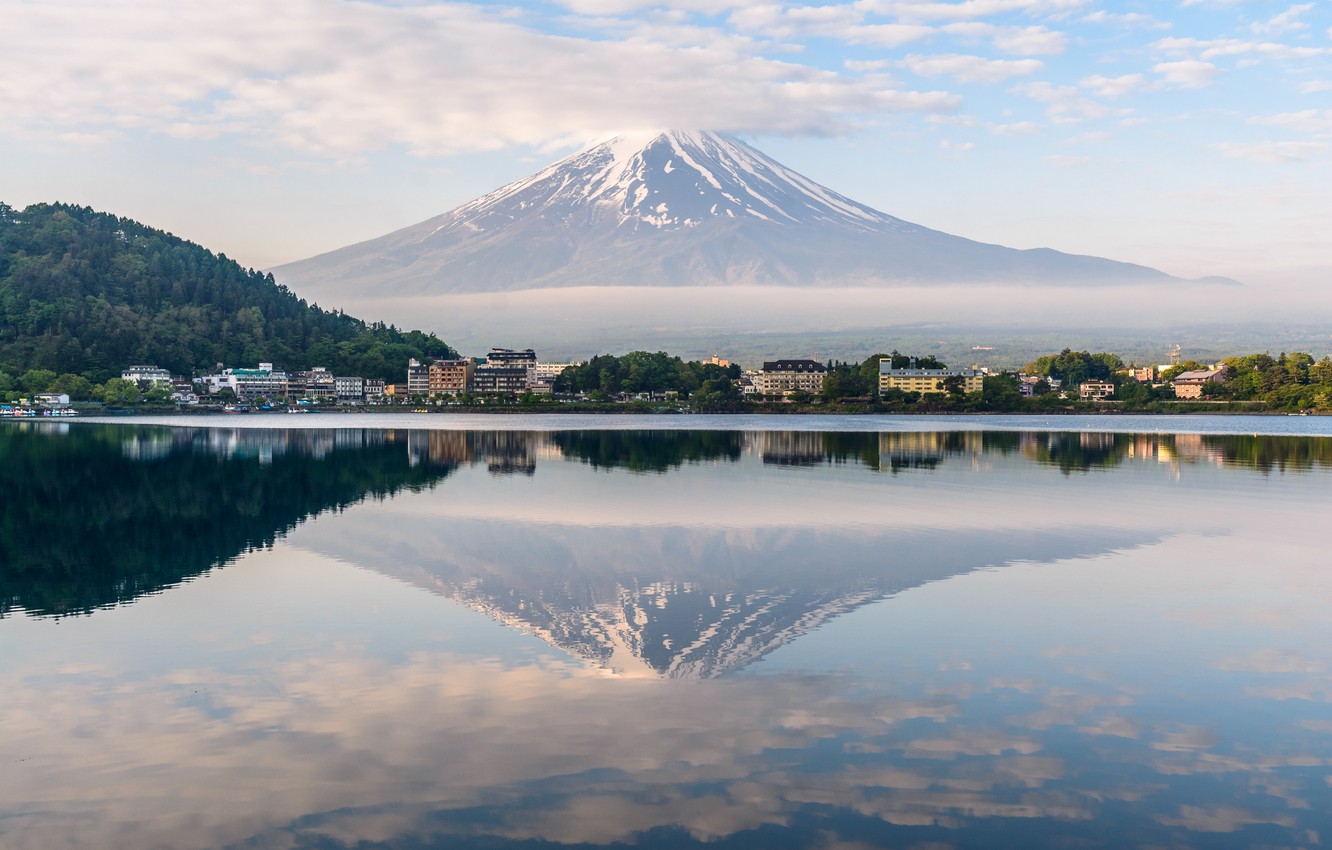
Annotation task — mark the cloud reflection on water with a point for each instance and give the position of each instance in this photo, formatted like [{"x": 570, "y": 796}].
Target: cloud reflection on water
[
  {"x": 1019, "y": 657},
  {"x": 342, "y": 747}
]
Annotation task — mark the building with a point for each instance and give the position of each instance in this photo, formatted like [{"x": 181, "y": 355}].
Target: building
[
  {"x": 418, "y": 378},
  {"x": 541, "y": 377},
  {"x": 151, "y": 374},
  {"x": 374, "y": 388},
  {"x": 1190, "y": 384},
  {"x": 313, "y": 383},
  {"x": 927, "y": 380},
  {"x": 508, "y": 380},
  {"x": 247, "y": 384},
  {"x": 349, "y": 389},
  {"x": 506, "y": 357},
  {"x": 51, "y": 400},
  {"x": 543, "y": 372},
  {"x": 782, "y": 377},
  {"x": 504, "y": 372},
  {"x": 449, "y": 377},
  {"x": 1096, "y": 390},
  {"x": 1141, "y": 374}
]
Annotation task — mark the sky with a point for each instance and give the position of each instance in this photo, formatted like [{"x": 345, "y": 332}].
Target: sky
[{"x": 1190, "y": 135}]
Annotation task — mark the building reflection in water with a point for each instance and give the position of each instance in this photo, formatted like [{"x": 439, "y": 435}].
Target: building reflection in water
[{"x": 505, "y": 452}]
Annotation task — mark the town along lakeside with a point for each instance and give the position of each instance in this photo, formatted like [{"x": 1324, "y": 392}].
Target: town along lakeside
[{"x": 509, "y": 381}]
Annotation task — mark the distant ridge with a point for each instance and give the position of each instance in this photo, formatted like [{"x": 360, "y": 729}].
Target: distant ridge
[{"x": 678, "y": 208}]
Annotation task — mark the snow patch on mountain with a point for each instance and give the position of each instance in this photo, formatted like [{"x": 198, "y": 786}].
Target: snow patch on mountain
[{"x": 666, "y": 179}]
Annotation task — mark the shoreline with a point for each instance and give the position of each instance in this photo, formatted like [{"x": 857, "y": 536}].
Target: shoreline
[
  {"x": 1257, "y": 426},
  {"x": 623, "y": 410}
]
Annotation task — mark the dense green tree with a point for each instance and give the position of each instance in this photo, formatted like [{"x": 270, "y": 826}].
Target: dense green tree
[
  {"x": 717, "y": 395},
  {"x": 640, "y": 372},
  {"x": 847, "y": 380},
  {"x": 74, "y": 386},
  {"x": 157, "y": 393},
  {"x": 118, "y": 391},
  {"x": 37, "y": 380},
  {"x": 1289, "y": 381},
  {"x": 1074, "y": 367},
  {"x": 1001, "y": 392},
  {"x": 88, "y": 293},
  {"x": 1135, "y": 394},
  {"x": 869, "y": 369}
]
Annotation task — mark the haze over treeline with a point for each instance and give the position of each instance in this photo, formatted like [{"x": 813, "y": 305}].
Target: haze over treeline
[{"x": 757, "y": 323}]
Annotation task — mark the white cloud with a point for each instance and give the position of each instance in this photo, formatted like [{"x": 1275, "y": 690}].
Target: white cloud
[
  {"x": 867, "y": 66},
  {"x": 1187, "y": 73},
  {"x": 1315, "y": 86},
  {"x": 886, "y": 35},
  {"x": 1287, "y": 21},
  {"x": 1126, "y": 19},
  {"x": 953, "y": 120},
  {"x": 1065, "y": 104},
  {"x": 1311, "y": 122},
  {"x": 1273, "y": 152},
  {"x": 620, "y": 7},
  {"x": 1017, "y": 128},
  {"x": 340, "y": 78},
  {"x": 1020, "y": 41},
  {"x": 970, "y": 69},
  {"x": 1030, "y": 41},
  {"x": 970, "y": 9},
  {"x": 1218, "y": 48},
  {"x": 1114, "y": 86},
  {"x": 843, "y": 22},
  {"x": 1067, "y": 161}
]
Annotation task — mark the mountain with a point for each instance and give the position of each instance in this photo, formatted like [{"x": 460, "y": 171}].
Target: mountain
[
  {"x": 664, "y": 601},
  {"x": 677, "y": 208},
  {"x": 88, "y": 293}
]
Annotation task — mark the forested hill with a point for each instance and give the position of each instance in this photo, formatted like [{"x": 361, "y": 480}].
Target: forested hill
[{"x": 90, "y": 293}]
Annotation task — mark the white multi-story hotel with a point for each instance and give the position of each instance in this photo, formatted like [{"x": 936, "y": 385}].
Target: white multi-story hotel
[
  {"x": 780, "y": 377},
  {"x": 349, "y": 389},
  {"x": 254, "y": 383},
  {"x": 152, "y": 374}
]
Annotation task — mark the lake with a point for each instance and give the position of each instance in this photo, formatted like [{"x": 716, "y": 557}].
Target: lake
[{"x": 367, "y": 631}]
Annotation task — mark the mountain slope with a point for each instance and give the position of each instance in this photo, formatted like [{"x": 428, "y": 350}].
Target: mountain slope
[
  {"x": 90, "y": 293},
  {"x": 677, "y": 208}
]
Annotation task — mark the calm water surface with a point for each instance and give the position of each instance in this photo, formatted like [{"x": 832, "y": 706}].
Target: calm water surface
[{"x": 375, "y": 637}]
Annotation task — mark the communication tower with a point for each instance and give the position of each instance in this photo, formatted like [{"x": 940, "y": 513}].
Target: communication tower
[{"x": 1174, "y": 355}]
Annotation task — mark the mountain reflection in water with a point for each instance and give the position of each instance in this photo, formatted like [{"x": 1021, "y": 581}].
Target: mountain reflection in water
[
  {"x": 722, "y": 639},
  {"x": 98, "y": 515}
]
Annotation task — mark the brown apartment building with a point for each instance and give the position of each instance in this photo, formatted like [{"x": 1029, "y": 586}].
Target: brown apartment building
[{"x": 449, "y": 377}]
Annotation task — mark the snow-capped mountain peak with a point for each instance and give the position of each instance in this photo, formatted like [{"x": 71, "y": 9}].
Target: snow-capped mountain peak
[
  {"x": 667, "y": 179},
  {"x": 677, "y": 208}
]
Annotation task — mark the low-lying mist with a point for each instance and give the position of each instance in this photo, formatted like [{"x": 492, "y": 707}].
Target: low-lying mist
[{"x": 988, "y": 325}]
